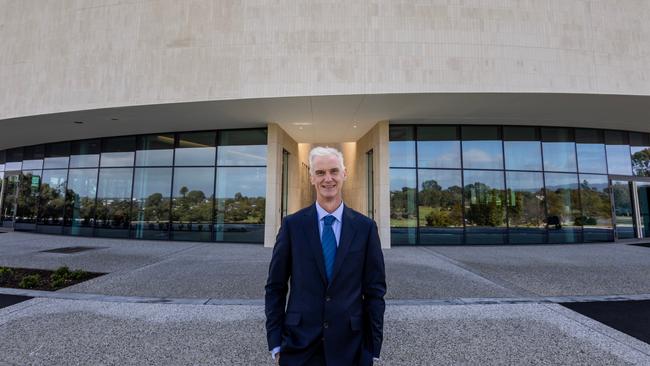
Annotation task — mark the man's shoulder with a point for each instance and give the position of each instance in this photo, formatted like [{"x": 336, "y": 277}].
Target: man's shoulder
[
  {"x": 358, "y": 217},
  {"x": 298, "y": 214}
]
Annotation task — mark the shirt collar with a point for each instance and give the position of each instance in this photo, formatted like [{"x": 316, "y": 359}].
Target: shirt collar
[{"x": 338, "y": 213}]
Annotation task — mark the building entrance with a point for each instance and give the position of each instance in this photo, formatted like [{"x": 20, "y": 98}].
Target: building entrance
[{"x": 631, "y": 208}]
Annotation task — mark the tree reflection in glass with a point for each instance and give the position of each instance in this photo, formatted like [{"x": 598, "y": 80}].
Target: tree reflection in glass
[
  {"x": 563, "y": 207},
  {"x": 151, "y": 203},
  {"x": 192, "y": 199},
  {"x": 27, "y": 199},
  {"x": 484, "y": 207},
  {"x": 114, "y": 202},
  {"x": 525, "y": 207},
  {"x": 52, "y": 201},
  {"x": 80, "y": 202},
  {"x": 240, "y": 204},
  {"x": 403, "y": 217},
  {"x": 440, "y": 206},
  {"x": 623, "y": 209},
  {"x": 596, "y": 208}
]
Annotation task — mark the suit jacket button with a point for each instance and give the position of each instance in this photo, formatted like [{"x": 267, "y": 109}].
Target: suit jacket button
[
  {"x": 325, "y": 325},
  {"x": 328, "y": 299}
]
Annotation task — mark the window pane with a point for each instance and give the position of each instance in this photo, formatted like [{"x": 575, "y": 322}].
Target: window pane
[
  {"x": 192, "y": 198},
  {"x": 33, "y": 157},
  {"x": 52, "y": 201},
  {"x": 440, "y": 207},
  {"x": 80, "y": 202},
  {"x": 484, "y": 207},
  {"x": 84, "y": 154},
  {"x": 403, "y": 218},
  {"x": 242, "y": 148},
  {"x": 240, "y": 204},
  {"x": 482, "y": 155},
  {"x": 591, "y": 158},
  {"x": 559, "y": 156},
  {"x": 118, "y": 151},
  {"x": 402, "y": 146},
  {"x": 596, "y": 209},
  {"x": 14, "y": 159},
  {"x": 618, "y": 159},
  {"x": 439, "y": 154},
  {"x": 114, "y": 202},
  {"x": 523, "y": 155},
  {"x": 155, "y": 150},
  {"x": 623, "y": 210},
  {"x": 640, "y": 149},
  {"x": 526, "y": 207},
  {"x": 26, "y": 211},
  {"x": 196, "y": 148},
  {"x": 151, "y": 203},
  {"x": 57, "y": 155},
  {"x": 563, "y": 208}
]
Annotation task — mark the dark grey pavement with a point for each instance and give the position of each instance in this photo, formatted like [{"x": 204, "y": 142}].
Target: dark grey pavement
[{"x": 202, "y": 303}]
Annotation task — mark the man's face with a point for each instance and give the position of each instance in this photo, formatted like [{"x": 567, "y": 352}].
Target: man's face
[{"x": 327, "y": 177}]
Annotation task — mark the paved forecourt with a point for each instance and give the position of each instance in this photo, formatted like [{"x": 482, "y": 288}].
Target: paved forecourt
[{"x": 202, "y": 303}]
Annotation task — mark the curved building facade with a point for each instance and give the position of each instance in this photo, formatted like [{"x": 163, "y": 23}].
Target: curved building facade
[{"x": 460, "y": 121}]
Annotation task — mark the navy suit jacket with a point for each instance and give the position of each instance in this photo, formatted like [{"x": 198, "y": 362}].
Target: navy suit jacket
[{"x": 347, "y": 315}]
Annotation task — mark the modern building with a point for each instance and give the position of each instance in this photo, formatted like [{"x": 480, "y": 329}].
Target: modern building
[{"x": 461, "y": 122}]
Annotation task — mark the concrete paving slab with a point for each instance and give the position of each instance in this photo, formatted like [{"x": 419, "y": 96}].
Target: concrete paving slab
[
  {"x": 90, "y": 332},
  {"x": 559, "y": 270}
]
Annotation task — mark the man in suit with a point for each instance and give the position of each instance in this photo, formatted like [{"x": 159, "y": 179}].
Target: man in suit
[{"x": 331, "y": 257}]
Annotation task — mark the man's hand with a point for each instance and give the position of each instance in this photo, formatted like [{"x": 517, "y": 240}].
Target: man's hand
[{"x": 277, "y": 358}]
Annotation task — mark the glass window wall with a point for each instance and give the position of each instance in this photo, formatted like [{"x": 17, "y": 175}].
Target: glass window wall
[
  {"x": 590, "y": 147},
  {"x": 114, "y": 202},
  {"x": 118, "y": 151},
  {"x": 14, "y": 159},
  {"x": 402, "y": 146},
  {"x": 192, "y": 206},
  {"x": 84, "y": 154},
  {"x": 640, "y": 149},
  {"x": 485, "y": 214},
  {"x": 57, "y": 156},
  {"x": 195, "y": 149},
  {"x": 564, "y": 220},
  {"x": 242, "y": 148},
  {"x": 522, "y": 148},
  {"x": 482, "y": 147},
  {"x": 27, "y": 200},
  {"x": 596, "y": 216},
  {"x": 155, "y": 150},
  {"x": 240, "y": 204},
  {"x": 151, "y": 203},
  {"x": 559, "y": 150},
  {"x": 526, "y": 207},
  {"x": 33, "y": 157},
  {"x": 51, "y": 207},
  {"x": 618, "y": 153},
  {"x": 80, "y": 202},
  {"x": 438, "y": 147},
  {"x": 440, "y": 206},
  {"x": 403, "y": 214}
]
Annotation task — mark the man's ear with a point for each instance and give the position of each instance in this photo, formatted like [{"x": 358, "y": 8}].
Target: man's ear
[{"x": 345, "y": 174}]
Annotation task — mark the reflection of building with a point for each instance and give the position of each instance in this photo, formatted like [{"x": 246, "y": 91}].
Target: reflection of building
[{"x": 460, "y": 124}]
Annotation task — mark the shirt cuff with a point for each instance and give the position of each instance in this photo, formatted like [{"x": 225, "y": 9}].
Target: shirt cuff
[{"x": 275, "y": 351}]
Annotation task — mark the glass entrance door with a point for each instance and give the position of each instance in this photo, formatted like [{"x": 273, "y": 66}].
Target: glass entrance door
[
  {"x": 624, "y": 209},
  {"x": 643, "y": 194},
  {"x": 10, "y": 187}
]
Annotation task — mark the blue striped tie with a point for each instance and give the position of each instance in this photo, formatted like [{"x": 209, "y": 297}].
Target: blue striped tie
[{"x": 328, "y": 241}]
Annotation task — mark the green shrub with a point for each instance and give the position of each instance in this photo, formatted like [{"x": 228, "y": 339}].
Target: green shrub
[
  {"x": 30, "y": 281},
  {"x": 63, "y": 271},
  {"x": 6, "y": 274},
  {"x": 78, "y": 274}
]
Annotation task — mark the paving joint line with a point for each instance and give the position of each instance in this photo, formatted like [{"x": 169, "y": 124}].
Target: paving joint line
[
  {"x": 391, "y": 302},
  {"x": 502, "y": 283}
]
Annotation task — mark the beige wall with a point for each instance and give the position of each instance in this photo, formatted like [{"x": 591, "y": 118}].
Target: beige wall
[
  {"x": 65, "y": 55},
  {"x": 377, "y": 141},
  {"x": 278, "y": 140}
]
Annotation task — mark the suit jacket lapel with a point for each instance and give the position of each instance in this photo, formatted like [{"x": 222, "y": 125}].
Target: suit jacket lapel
[
  {"x": 347, "y": 235},
  {"x": 311, "y": 231}
]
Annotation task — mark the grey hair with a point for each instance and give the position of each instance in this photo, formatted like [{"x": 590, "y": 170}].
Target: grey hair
[{"x": 324, "y": 151}]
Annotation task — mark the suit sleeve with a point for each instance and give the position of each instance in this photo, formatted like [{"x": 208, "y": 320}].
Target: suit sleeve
[
  {"x": 374, "y": 289},
  {"x": 276, "y": 287}
]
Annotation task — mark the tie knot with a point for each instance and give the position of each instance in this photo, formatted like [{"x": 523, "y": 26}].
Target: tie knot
[{"x": 329, "y": 219}]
